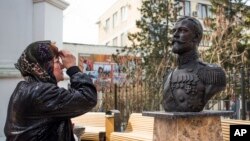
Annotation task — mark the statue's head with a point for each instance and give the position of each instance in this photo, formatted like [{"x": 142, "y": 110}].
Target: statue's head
[{"x": 187, "y": 34}]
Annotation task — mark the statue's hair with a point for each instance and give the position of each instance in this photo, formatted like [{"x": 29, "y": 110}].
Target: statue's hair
[{"x": 197, "y": 26}]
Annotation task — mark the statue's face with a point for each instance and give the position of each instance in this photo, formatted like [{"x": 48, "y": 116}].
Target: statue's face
[{"x": 183, "y": 37}]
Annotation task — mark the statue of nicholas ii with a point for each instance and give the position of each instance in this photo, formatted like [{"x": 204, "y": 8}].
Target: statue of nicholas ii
[{"x": 189, "y": 87}]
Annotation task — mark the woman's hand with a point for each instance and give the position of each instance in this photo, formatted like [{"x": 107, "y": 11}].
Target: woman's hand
[{"x": 68, "y": 59}]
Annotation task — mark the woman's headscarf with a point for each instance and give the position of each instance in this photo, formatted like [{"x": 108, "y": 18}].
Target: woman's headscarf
[{"x": 36, "y": 61}]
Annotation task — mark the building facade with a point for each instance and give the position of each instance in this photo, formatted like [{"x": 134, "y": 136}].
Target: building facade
[
  {"x": 23, "y": 22},
  {"x": 117, "y": 21},
  {"x": 120, "y": 19}
]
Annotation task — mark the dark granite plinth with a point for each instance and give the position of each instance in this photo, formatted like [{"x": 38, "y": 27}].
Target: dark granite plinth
[
  {"x": 172, "y": 115},
  {"x": 187, "y": 126}
]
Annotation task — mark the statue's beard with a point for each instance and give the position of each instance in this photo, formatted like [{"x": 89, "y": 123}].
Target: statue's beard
[{"x": 180, "y": 47}]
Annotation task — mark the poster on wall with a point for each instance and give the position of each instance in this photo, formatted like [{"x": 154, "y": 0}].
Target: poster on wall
[{"x": 101, "y": 68}]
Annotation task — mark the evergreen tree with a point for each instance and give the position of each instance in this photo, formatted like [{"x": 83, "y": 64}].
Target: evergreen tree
[{"x": 152, "y": 45}]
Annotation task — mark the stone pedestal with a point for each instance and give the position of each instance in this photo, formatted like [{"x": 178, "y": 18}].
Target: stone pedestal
[{"x": 187, "y": 126}]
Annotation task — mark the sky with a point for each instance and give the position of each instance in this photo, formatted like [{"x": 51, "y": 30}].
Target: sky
[{"x": 79, "y": 20}]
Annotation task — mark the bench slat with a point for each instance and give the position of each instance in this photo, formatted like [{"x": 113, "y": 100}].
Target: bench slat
[
  {"x": 94, "y": 123},
  {"x": 139, "y": 128},
  {"x": 225, "y": 125}
]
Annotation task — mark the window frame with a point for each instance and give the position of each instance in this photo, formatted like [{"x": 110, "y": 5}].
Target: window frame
[
  {"x": 124, "y": 13},
  {"x": 115, "y": 19},
  {"x": 107, "y": 24},
  {"x": 203, "y": 11},
  {"x": 184, "y": 11},
  {"x": 123, "y": 39},
  {"x": 115, "y": 41}
]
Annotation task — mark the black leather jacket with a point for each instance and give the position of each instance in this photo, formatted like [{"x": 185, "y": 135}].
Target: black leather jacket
[{"x": 41, "y": 111}]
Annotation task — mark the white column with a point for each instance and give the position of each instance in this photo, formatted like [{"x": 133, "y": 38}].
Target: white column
[
  {"x": 48, "y": 20},
  {"x": 23, "y": 22}
]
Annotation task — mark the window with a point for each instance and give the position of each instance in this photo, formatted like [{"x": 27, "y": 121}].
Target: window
[
  {"x": 123, "y": 39},
  {"x": 107, "y": 24},
  {"x": 204, "y": 11},
  {"x": 205, "y": 42},
  {"x": 124, "y": 14},
  {"x": 115, "y": 41},
  {"x": 114, "y": 19},
  {"x": 185, "y": 8}
]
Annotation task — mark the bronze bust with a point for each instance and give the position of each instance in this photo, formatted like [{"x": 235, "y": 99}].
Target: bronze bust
[{"x": 189, "y": 87}]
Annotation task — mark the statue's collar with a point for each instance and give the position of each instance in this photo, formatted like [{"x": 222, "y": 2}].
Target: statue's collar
[{"x": 187, "y": 57}]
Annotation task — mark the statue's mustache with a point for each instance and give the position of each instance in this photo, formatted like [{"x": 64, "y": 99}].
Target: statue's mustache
[{"x": 179, "y": 41}]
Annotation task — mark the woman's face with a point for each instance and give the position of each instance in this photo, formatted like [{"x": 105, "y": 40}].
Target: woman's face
[{"x": 58, "y": 70}]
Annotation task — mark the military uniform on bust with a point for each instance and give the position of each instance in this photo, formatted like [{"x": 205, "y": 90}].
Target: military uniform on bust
[{"x": 188, "y": 89}]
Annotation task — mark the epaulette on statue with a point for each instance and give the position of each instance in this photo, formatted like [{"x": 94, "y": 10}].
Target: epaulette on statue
[
  {"x": 212, "y": 75},
  {"x": 166, "y": 74}
]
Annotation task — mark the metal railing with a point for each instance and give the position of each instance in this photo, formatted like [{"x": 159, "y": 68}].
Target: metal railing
[{"x": 142, "y": 95}]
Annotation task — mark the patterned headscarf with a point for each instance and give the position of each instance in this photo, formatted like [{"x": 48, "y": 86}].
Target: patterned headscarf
[{"x": 36, "y": 61}]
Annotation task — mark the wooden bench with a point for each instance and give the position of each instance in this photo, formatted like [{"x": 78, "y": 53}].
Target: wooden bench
[
  {"x": 225, "y": 125},
  {"x": 94, "y": 123},
  {"x": 139, "y": 128}
]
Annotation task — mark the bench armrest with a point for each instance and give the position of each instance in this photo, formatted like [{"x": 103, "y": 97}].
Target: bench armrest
[{"x": 112, "y": 122}]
